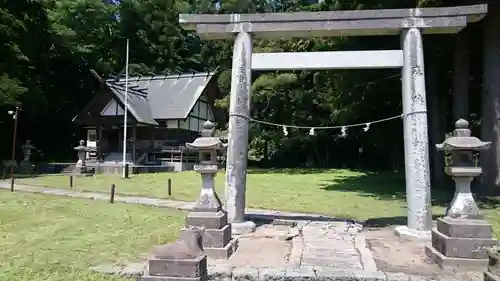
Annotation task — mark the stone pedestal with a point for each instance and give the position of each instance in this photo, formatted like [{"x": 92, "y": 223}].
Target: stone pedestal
[
  {"x": 26, "y": 166},
  {"x": 493, "y": 271},
  {"x": 461, "y": 243},
  {"x": 217, "y": 241},
  {"x": 183, "y": 260}
]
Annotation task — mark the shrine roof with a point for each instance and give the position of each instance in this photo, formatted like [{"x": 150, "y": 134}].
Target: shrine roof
[{"x": 160, "y": 96}]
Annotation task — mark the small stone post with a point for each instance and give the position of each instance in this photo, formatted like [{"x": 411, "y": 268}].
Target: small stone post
[
  {"x": 181, "y": 260},
  {"x": 462, "y": 236},
  {"x": 416, "y": 147},
  {"x": 26, "y": 162},
  {"x": 208, "y": 211}
]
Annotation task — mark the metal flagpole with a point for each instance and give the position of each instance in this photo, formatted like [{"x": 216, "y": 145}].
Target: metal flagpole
[{"x": 125, "y": 114}]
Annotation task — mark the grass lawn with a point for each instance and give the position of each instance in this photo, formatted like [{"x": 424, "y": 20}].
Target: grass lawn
[
  {"x": 48, "y": 238},
  {"x": 339, "y": 193}
]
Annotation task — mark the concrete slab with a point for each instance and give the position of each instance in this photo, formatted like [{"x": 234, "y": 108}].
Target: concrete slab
[{"x": 334, "y": 23}]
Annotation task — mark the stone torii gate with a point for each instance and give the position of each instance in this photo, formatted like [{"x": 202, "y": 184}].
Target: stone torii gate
[{"x": 409, "y": 23}]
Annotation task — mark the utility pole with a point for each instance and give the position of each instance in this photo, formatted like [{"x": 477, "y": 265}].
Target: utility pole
[
  {"x": 15, "y": 116},
  {"x": 125, "y": 167}
]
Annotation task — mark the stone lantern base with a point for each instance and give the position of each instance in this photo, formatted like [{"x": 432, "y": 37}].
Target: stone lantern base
[
  {"x": 217, "y": 241},
  {"x": 26, "y": 166},
  {"x": 81, "y": 169},
  {"x": 82, "y": 172},
  {"x": 461, "y": 243}
]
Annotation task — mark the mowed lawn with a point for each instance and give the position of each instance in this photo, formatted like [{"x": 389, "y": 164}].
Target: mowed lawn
[
  {"x": 47, "y": 238},
  {"x": 338, "y": 193}
]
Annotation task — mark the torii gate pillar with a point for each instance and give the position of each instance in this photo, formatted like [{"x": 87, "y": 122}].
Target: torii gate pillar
[
  {"x": 409, "y": 23},
  {"x": 416, "y": 146},
  {"x": 237, "y": 152}
]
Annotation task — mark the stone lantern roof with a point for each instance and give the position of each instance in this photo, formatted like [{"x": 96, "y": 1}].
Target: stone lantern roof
[
  {"x": 462, "y": 140},
  {"x": 82, "y": 146},
  {"x": 207, "y": 141}
]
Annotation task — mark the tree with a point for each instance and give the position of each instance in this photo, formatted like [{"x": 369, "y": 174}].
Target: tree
[{"x": 490, "y": 127}]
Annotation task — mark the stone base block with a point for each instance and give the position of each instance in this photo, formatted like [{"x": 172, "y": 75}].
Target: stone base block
[
  {"x": 457, "y": 247},
  {"x": 26, "y": 166},
  {"x": 147, "y": 277},
  {"x": 245, "y": 227},
  {"x": 488, "y": 276},
  {"x": 189, "y": 268},
  {"x": 209, "y": 220},
  {"x": 464, "y": 228},
  {"x": 411, "y": 234},
  {"x": 448, "y": 263},
  {"x": 222, "y": 253},
  {"x": 216, "y": 238}
]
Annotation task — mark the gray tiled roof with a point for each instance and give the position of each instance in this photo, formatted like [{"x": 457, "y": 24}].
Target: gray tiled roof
[
  {"x": 161, "y": 97},
  {"x": 138, "y": 103}
]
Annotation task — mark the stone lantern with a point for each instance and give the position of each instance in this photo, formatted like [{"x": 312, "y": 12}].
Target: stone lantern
[
  {"x": 81, "y": 165},
  {"x": 26, "y": 162},
  {"x": 462, "y": 235},
  {"x": 207, "y": 212}
]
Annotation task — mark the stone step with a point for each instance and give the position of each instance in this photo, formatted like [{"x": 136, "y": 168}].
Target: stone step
[{"x": 310, "y": 273}]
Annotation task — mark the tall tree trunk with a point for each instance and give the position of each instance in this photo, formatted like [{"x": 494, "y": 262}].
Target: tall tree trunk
[
  {"x": 490, "y": 127},
  {"x": 461, "y": 70},
  {"x": 436, "y": 118}
]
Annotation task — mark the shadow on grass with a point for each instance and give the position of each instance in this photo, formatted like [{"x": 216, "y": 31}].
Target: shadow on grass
[
  {"x": 269, "y": 219},
  {"x": 390, "y": 221},
  {"x": 383, "y": 185},
  {"x": 370, "y": 223},
  {"x": 289, "y": 171}
]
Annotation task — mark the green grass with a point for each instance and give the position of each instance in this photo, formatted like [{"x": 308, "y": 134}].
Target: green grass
[
  {"x": 48, "y": 238},
  {"x": 338, "y": 193}
]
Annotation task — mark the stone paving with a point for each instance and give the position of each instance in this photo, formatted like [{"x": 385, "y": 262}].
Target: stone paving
[
  {"x": 297, "y": 249},
  {"x": 312, "y": 251},
  {"x": 322, "y": 241}
]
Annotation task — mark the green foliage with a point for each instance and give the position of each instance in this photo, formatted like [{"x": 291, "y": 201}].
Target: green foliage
[
  {"x": 49, "y": 46},
  {"x": 10, "y": 90}
]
